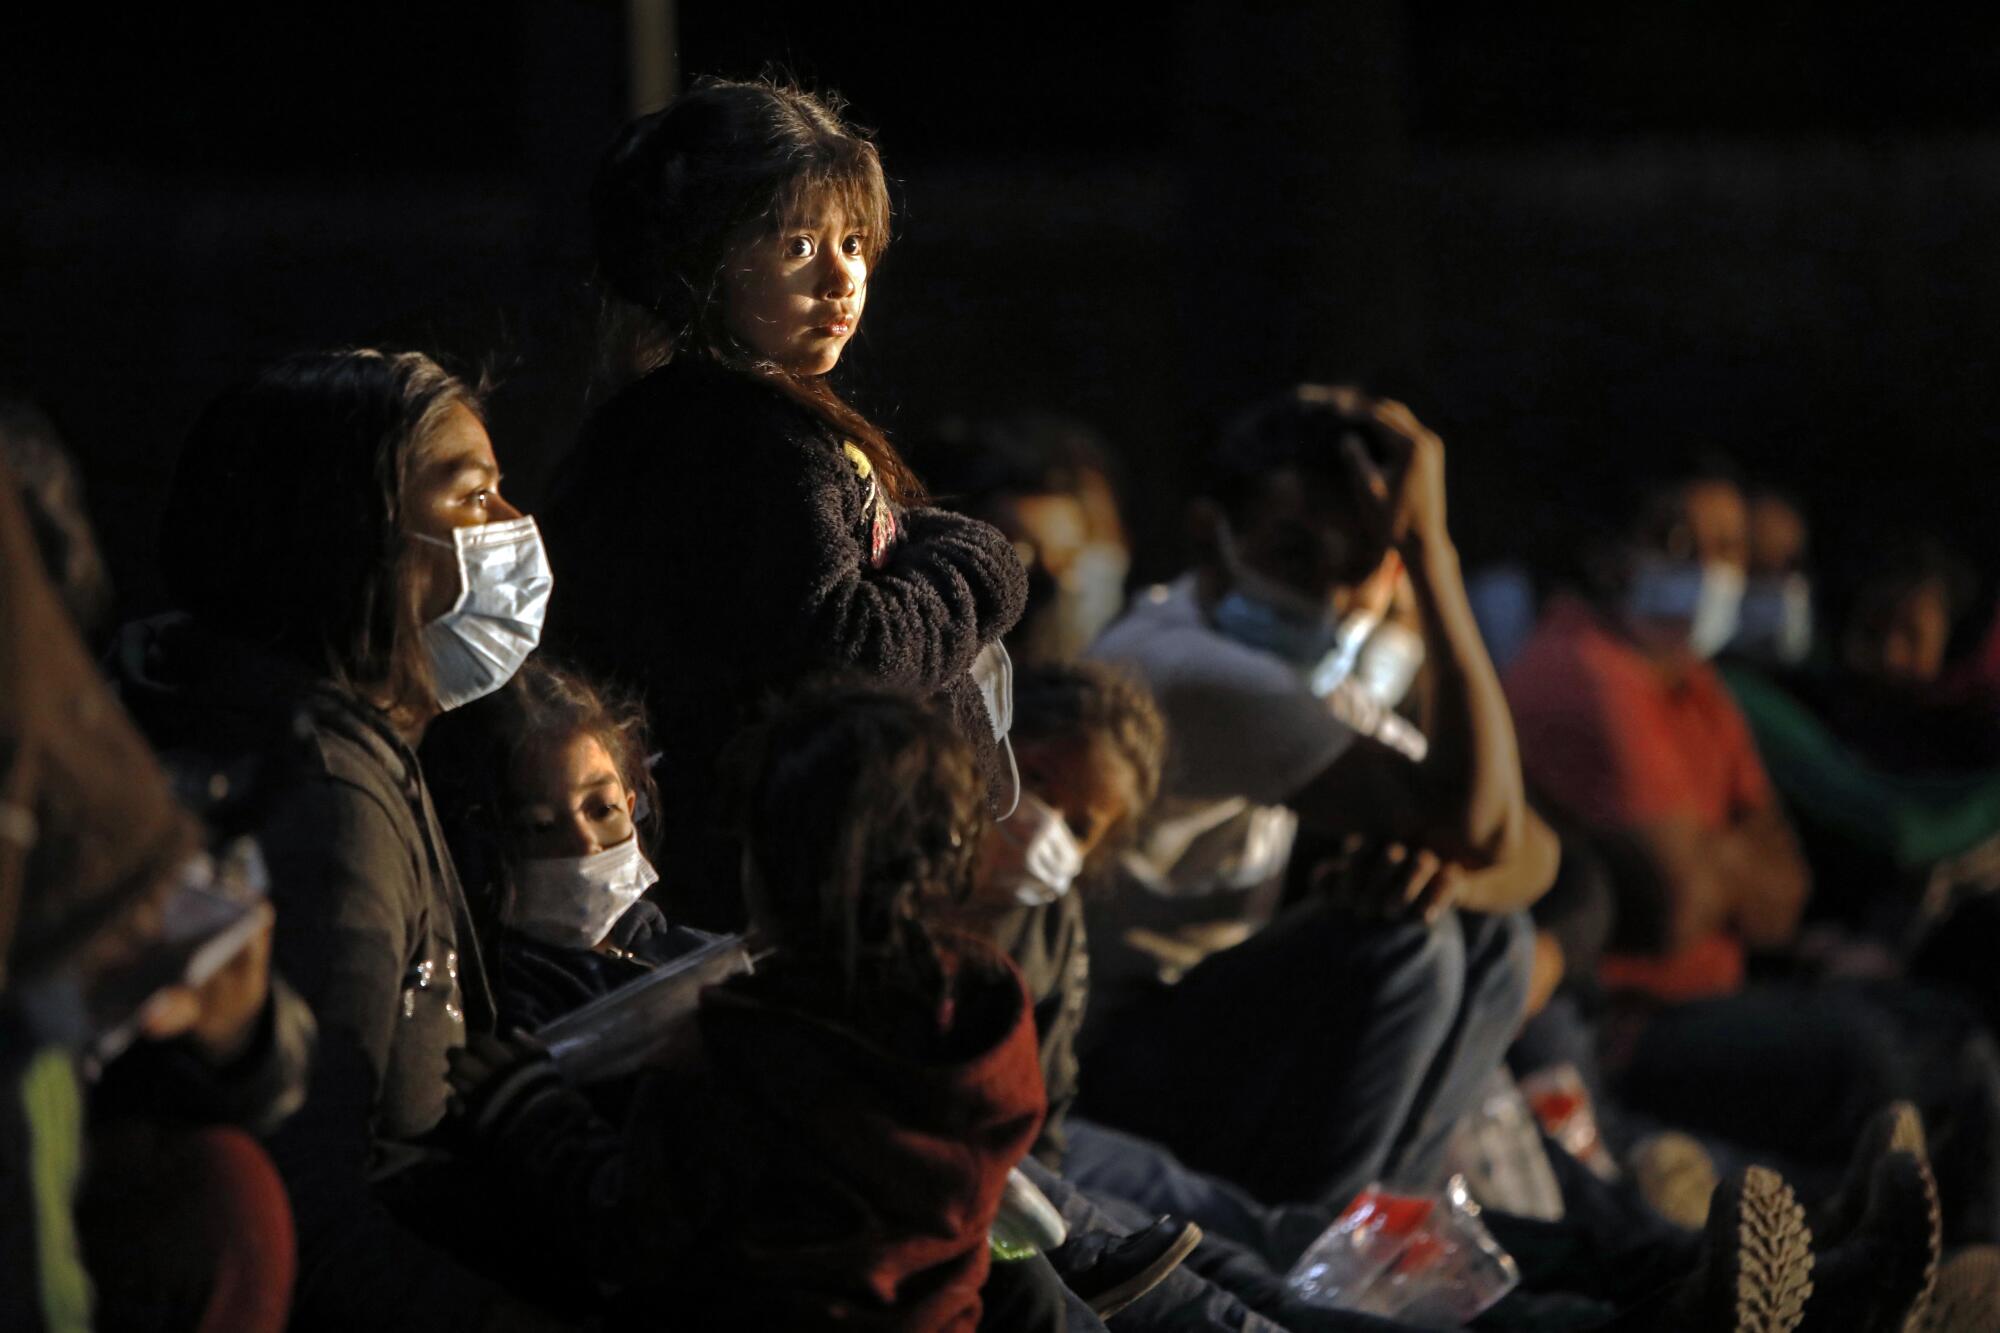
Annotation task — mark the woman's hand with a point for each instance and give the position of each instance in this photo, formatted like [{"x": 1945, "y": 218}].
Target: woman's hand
[{"x": 1402, "y": 492}]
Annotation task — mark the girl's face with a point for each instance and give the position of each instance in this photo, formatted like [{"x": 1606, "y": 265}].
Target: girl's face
[
  {"x": 455, "y": 483},
  {"x": 795, "y": 296},
  {"x": 571, "y": 800}
]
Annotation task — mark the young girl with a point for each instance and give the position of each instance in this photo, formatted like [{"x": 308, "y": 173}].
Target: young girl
[
  {"x": 350, "y": 571},
  {"x": 545, "y": 794},
  {"x": 829, "y": 1140},
  {"x": 727, "y": 525}
]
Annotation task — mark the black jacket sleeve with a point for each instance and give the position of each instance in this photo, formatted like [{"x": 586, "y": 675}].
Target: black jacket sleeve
[{"x": 950, "y": 586}]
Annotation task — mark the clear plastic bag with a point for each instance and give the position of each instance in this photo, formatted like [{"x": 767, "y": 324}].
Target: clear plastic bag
[
  {"x": 1561, "y": 1103},
  {"x": 1426, "y": 1261},
  {"x": 1497, "y": 1147}
]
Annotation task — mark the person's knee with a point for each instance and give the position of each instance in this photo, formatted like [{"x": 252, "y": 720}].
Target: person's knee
[{"x": 1499, "y": 961}]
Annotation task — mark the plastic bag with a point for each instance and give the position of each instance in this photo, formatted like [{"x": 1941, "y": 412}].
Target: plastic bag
[
  {"x": 1498, "y": 1148},
  {"x": 1427, "y": 1261},
  {"x": 1561, "y": 1103}
]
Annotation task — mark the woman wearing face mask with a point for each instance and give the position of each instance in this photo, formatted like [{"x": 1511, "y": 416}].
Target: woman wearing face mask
[
  {"x": 348, "y": 569},
  {"x": 727, "y": 525},
  {"x": 547, "y": 797}
]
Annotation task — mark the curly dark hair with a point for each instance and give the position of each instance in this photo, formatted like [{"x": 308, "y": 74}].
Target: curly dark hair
[
  {"x": 1073, "y": 699},
  {"x": 683, "y": 188},
  {"x": 861, "y": 810}
]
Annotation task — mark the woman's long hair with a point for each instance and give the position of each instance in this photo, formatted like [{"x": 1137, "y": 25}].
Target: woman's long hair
[
  {"x": 284, "y": 525},
  {"x": 684, "y": 187},
  {"x": 861, "y": 810}
]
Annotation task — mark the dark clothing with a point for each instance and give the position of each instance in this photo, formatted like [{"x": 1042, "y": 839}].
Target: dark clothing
[
  {"x": 536, "y": 983},
  {"x": 372, "y": 930},
  {"x": 1320, "y": 1054},
  {"x": 801, "y": 1173},
  {"x": 716, "y": 546},
  {"x": 1049, "y": 945}
]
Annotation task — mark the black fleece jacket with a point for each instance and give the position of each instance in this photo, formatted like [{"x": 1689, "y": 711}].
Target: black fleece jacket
[{"x": 712, "y": 546}]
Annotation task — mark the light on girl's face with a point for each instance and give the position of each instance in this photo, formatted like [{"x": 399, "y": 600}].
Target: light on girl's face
[
  {"x": 570, "y": 799},
  {"x": 795, "y": 296}
]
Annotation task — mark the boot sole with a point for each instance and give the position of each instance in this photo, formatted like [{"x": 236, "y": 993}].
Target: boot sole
[
  {"x": 1110, "y": 1301},
  {"x": 1773, "y": 1253}
]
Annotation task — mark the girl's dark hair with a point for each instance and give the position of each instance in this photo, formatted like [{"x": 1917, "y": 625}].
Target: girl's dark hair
[
  {"x": 1058, "y": 700},
  {"x": 470, "y": 755},
  {"x": 861, "y": 811},
  {"x": 285, "y": 521},
  {"x": 683, "y": 188}
]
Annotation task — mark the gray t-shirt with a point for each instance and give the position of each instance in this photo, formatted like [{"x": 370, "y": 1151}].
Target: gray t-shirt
[{"x": 1245, "y": 733}]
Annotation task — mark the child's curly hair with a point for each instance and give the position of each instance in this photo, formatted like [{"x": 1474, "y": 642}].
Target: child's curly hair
[
  {"x": 471, "y": 754},
  {"x": 1080, "y": 699},
  {"x": 861, "y": 810}
]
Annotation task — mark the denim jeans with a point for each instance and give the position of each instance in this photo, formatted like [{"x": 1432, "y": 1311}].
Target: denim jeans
[{"x": 1321, "y": 1054}]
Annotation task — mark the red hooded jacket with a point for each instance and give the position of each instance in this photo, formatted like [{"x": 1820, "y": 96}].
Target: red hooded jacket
[{"x": 802, "y": 1175}]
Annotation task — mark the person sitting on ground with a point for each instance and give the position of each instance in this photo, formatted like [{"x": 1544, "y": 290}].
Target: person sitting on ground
[
  {"x": 1628, "y": 731},
  {"x": 350, "y": 571},
  {"x": 1047, "y": 483},
  {"x": 546, "y": 797},
  {"x": 745, "y": 1204},
  {"x": 1382, "y": 1002},
  {"x": 168, "y": 1216}
]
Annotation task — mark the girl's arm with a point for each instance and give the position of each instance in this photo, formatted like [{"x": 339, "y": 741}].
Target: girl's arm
[{"x": 948, "y": 587}]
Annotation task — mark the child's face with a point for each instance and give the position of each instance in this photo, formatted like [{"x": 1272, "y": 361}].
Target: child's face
[
  {"x": 795, "y": 296},
  {"x": 1088, "y": 782},
  {"x": 571, "y": 800}
]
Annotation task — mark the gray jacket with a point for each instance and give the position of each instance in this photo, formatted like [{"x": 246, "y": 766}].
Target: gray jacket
[{"x": 372, "y": 930}]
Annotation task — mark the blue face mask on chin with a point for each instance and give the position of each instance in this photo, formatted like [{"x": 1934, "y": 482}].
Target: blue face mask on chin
[{"x": 1256, "y": 623}]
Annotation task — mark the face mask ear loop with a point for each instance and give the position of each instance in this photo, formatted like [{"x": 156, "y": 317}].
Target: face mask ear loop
[{"x": 1014, "y": 779}]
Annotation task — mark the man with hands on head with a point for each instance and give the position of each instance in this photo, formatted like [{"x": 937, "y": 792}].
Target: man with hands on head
[{"x": 1335, "y": 1043}]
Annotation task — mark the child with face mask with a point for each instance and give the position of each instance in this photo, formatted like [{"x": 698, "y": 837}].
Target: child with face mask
[
  {"x": 734, "y": 526},
  {"x": 830, "y": 1135},
  {"x": 547, "y": 797}
]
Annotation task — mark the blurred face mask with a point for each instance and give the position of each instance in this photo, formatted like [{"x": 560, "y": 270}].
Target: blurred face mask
[
  {"x": 504, "y": 583},
  {"x": 1090, "y": 595},
  {"x": 1035, "y": 857},
  {"x": 1260, "y": 612},
  {"x": 1776, "y": 623},
  {"x": 571, "y": 902},
  {"x": 1705, "y": 596}
]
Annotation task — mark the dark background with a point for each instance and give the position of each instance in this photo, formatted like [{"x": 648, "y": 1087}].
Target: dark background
[{"x": 1567, "y": 241}]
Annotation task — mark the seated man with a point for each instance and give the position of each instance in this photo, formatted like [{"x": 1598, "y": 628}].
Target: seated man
[
  {"x": 1629, "y": 732},
  {"x": 1306, "y": 1055}
]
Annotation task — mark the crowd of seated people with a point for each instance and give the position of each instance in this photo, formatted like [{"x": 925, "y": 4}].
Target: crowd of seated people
[{"x": 986, "y": 944}]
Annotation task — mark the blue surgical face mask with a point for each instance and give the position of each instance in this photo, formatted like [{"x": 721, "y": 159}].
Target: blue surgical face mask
[
  {"x": 1704, "y": 596},
  {"x": 1260, "y": 612},
  {"x": 1776, "y": 624}
]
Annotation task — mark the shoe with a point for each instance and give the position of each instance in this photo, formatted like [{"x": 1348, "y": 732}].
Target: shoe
[
  {"x": 1895, "y": 1128},
  {"x": 1109, "y": 1271},
  {"x": 1967, "y": 1296},
  {"x": 1755, "y": 1271},
  {"x": 1880, "y": 1278},
  {"x": 1675, "y": 1175}
]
